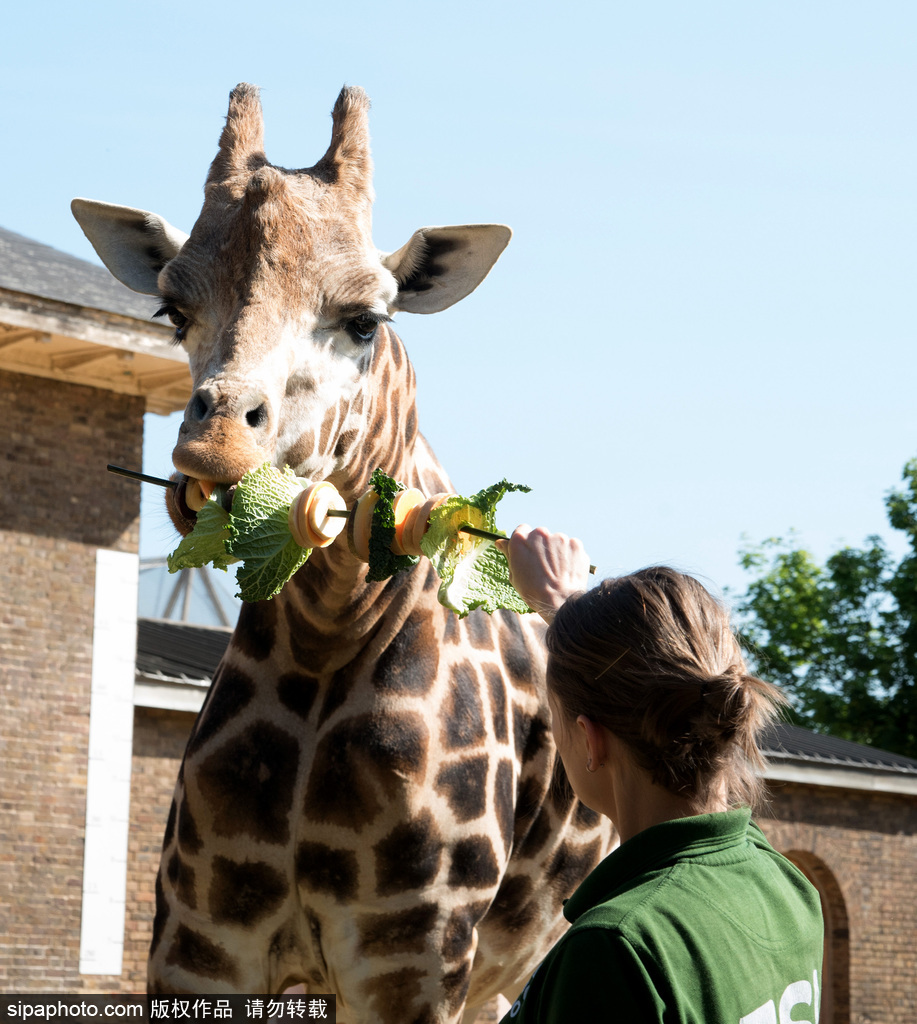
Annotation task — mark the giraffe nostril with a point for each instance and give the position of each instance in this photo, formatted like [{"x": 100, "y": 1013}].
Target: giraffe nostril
[
  {"x": 198, "y": 409},
  {"x": 257, "y": 417}
]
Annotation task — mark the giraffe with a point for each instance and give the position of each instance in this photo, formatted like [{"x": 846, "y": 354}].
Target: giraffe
[{"x": 370, "y": 803}]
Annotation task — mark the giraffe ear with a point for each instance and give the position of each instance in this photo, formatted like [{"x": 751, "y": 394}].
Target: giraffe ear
[
  {"x": 438, "y": 266},
  {"x": 134, "y": 244}
]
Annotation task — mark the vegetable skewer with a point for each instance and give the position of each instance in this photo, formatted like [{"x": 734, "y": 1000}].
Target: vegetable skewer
[{"x": 321, "y": 502}]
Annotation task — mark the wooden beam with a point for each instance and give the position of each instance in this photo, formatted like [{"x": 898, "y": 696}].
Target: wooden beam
[
  {"x": 17, "y": 337},
  {"x": 149, "y": 382},
  {"x": 81, "y": 357}
]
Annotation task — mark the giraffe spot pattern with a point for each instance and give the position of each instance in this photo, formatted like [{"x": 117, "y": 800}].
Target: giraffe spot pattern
[
  {"x": 410, "y": 662},
  {"x": 479, "y": 631},
  {"x": 169, "y": 833},
  {"x": 462, "y": 716},
  {"x": 513, "y": 909},
  {"x": 560, "y": 790},
  {"x": 244, "y": 893},
  {"x": 394, "y": 997},
  {"x": 474, "y": 864},
  {"x": 358, "y": 758},
  {"x": 461, "y": 923},
  {"x": 570, "y": 864},
  {"x": 231, "y": 691},
  {"x": 198, "y": 955},
  {"x": 464, "y": 785},
  {"x": 495, "y": 681},
  {"x": 181, "y": 878},
  {"x": 503, "y": 802},
  {"x": 345, "y": 442},
  {"x": 431, "y": 582},
  {"x": 337, "y": 693},
  {"x": 532, "y": 825},
  {"x": 297, "y": 692},
  {"x": 189, "y": 839},
  {"x": 530, "y": 734},
  {"x": 248, "y": 784},
  {"x": 515, "y": 652},
  {"x": 404, "y": 931},
  {"x": 325, "y": 434},
  {"x": 409, "y": 856},
  {"x": 328, "y": 870},
  {"x": 455, "y": 984},
  {"x": 256, "y": 631},
  {"x": 452, "y": 633},
  {"x": 586, "y": 817},
  {"x": 161, "y": 915}
]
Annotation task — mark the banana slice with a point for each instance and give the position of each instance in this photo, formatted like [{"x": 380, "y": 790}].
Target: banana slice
[
  {"x": 197, "y": 493},
  {"x": 309, "y": 522}
]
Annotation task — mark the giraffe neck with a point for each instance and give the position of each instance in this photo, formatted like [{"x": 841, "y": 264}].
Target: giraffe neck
[{"x": 329, "y": 611}]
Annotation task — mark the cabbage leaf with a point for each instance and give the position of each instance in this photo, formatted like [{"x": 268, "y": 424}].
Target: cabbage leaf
[
  {"x": 474, "y": 573},
  {"x": 260, "y": 534},
  {"x": 206, "y": 543}
]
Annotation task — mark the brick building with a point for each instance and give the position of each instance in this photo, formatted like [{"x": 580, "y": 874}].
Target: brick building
[
  {"x": 80, "y": 364},
  {"x": 96, "y": 708}
]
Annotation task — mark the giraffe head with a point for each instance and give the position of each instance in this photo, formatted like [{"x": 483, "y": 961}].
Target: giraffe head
[{"x": 281, "y": 300}]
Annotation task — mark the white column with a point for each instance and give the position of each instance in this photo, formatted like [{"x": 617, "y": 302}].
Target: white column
[{"x": 108, "y": 784}]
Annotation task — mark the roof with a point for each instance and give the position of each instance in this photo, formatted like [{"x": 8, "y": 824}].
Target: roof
[
  {"x": 177, "y": 652},
  {"x": 791, "y": 743},
  {"x": 66, "y": 319},
  {"x": 32, "y": 268}
]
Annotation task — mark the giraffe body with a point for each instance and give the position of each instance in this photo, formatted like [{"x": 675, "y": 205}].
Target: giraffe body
[{"x": 370, "y": 802}]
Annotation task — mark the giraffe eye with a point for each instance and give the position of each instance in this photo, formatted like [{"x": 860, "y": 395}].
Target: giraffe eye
[
  {"x": 363, "y": 328},
  {"x": 179, "y": 321}
]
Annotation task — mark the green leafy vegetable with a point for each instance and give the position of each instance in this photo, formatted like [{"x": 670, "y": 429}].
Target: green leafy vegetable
[
  {"x": 260, "y": 534},
  {"x": 206, "y": 544},
  {"x": 473, "y": 571},
  {"x": 383, "y": 562}
]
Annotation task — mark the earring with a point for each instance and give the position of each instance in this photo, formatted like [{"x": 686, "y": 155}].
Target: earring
[{"x": 589, "y": 767}]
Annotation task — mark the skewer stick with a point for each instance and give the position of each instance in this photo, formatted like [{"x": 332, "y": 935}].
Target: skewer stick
[
  {"x": 134, "y": 475},
  {"x": 333, "y": 513}
]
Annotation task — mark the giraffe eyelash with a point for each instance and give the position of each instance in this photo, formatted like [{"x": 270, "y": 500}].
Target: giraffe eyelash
[{"x": 179, "y": 321}]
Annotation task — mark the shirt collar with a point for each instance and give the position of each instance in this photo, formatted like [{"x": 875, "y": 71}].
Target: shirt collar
[{"x": 655, "y": 848}]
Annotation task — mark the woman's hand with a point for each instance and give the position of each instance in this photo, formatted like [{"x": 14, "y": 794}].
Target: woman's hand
[{"x": 545, "y": 568}]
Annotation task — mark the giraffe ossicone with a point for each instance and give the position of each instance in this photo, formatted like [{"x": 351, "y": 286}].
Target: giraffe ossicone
[{"x": 370, "y": 803}]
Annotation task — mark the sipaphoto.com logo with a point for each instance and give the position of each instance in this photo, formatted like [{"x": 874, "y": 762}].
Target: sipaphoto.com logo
[{"x": 72, "y": 1008}]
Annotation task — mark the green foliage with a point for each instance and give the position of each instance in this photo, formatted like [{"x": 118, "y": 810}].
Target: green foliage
[
  {"x": 383, "y": 562},
  {"x": 841, "y": 638}
]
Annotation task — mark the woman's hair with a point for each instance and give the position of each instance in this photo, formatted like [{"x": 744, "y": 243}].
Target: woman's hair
[{"x": 651, "y": 656}]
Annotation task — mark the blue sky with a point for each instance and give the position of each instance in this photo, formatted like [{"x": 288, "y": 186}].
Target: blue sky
[{"x": 703, "y": 329}]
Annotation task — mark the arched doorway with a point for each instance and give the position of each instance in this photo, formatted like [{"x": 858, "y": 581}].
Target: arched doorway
[{"x": 835, "y": 996}]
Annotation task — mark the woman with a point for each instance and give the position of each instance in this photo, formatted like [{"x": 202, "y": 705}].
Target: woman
[{"x": 694, "y": 917}]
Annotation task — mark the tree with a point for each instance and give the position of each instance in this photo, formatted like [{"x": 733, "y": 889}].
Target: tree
[{"x": 841, "y": 638}]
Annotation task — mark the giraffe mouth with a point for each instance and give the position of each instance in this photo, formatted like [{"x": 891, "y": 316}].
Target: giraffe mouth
[{"x": 182, "y": 514}]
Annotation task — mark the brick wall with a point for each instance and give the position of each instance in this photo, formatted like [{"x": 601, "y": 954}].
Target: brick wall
[
  {"x": 159, "y": 742},
  {"x": 860, "y": 849},
  {"x": 57, "y": 506}
]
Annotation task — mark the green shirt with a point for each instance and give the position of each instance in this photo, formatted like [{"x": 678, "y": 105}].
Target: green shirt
[{"x": 694, "y": 921}]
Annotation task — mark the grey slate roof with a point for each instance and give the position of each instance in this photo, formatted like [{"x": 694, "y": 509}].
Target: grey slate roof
[
  {"x": 791, "y": 743},
  {"x": 35, "y": 269},
  {"x": 178, "y": 650}
]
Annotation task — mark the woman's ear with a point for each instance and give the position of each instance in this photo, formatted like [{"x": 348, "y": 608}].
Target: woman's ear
[{"x": 595, "y": 738}]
